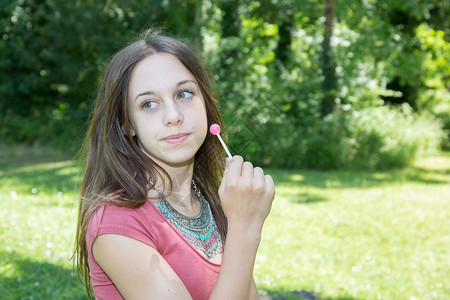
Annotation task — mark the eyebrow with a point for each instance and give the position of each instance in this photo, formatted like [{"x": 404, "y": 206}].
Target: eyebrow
[{"x": 177, "y": 85}]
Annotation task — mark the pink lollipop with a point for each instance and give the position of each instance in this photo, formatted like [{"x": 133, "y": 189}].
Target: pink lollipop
[{"x": 215, "y": 129}]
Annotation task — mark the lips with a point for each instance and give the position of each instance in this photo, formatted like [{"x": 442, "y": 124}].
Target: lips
[{"x": 176, "y": 138}]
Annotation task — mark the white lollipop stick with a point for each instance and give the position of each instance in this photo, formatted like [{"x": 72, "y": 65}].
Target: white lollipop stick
[{"x": 215, "y": 129}]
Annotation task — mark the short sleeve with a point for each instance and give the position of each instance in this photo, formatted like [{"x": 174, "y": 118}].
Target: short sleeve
[{"x": 118, "y": 220}]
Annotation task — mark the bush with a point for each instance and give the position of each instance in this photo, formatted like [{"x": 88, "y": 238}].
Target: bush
[
  {"x": 16, "y": 129},
  {"x": 327, "y": 146},
  {"x": 372, "y": 138},
  {"x": 59, "y": 129},
  {"x": 445, "y": 119}
]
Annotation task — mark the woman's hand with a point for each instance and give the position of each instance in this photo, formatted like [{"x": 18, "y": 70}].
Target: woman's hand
[{"x": 246, "y": 194}]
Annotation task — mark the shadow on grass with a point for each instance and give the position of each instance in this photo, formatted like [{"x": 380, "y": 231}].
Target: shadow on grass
[
  {"x": 356, "y": 179},
  {"x": 305, "y": 198},
  {"x": 56, "y": 171},
  {"x": 301, "y": 295},
  {"x": 441, "y": 172},
  {"x": 23, "y": 278},
  {"x": 48, "y": 177}
]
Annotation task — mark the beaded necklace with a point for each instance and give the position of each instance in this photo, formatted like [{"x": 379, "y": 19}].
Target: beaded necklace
[{"x": 200, "y": 231}]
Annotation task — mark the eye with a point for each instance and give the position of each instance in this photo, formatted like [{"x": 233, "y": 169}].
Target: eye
[
  {"x": 184, "y": 95},
  {"x": 149, "y": 105}
]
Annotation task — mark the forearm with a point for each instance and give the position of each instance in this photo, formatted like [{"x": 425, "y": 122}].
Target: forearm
[
  {"x": 246, "y": 195},
  {"x": 236, "y": 273}
]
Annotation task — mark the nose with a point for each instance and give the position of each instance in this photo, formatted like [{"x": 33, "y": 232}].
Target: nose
[{"x": 173, "y": 114}]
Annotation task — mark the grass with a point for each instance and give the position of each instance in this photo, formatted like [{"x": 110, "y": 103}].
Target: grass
[
  {"x": 360, "y": 235},
  {"x": 330, "y": 235},
  {"x": 37, "y": 224}
]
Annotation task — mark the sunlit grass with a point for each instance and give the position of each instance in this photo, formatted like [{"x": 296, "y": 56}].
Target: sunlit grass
[
  {"x": 37, "y": 224},
  {"x": 330, "y": 235},
  {"x": 357, "y": 235}
]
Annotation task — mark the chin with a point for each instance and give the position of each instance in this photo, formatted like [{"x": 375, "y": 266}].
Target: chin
[{"x": 179, "y": 161}]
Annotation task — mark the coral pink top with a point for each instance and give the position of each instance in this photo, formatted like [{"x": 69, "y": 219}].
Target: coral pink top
[{"x": 147, "y": 225}]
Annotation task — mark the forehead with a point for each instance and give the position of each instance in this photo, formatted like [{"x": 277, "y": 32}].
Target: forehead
[{"x": 158, "y": 71}]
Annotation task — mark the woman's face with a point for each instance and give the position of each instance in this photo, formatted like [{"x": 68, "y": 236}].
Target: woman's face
[{"x": 167, "y": 110}]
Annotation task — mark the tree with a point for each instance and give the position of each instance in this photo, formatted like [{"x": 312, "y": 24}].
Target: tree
[{"x": 329, "y": 83}]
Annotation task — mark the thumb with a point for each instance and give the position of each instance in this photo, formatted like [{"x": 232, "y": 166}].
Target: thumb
[
  {"x": 227, "y": 167},
  {"x": 224, "y": 177}
]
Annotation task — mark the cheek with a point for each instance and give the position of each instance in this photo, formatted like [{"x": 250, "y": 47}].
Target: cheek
[
  {"x": 201, "y": 111},
  {"x": 201, "y": 120},
  {"x": 204, "y": 130},
  {"x": 144, "y": 128},
  {"x": 197, "y": 120}
]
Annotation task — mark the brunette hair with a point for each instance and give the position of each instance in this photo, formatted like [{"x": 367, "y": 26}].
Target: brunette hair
[{"x": 116, "y": 169}]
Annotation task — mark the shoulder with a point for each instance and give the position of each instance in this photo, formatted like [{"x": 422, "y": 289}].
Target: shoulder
[
  {"x": 114, "y": 215},
  {"x": 135, "y": 223}
]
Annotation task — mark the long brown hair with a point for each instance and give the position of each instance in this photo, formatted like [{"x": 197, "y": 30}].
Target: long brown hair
[{"x": 113, "y": 159}]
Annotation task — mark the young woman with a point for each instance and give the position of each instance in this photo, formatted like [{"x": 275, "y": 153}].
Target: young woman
[{"x": 162, "y": 216}]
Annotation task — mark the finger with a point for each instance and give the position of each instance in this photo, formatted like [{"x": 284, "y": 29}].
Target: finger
[
  {"x": 235, "y": 167},
  {"x": 247, "y": 170},
  {"x": 269, "y": 184},
  {"x": 227, "y": 168},
  {"x": 258, "y": 177}
]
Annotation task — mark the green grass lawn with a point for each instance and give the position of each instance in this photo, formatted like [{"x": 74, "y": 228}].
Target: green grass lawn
[{"x": 330, "y": 235}]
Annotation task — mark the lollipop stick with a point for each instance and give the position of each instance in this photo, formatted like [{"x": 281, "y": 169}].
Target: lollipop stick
[{"x": 224, "y": 146}]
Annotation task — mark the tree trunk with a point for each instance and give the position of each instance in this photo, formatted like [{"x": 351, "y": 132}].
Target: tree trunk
[
  {"x": 283, "y": 50},
  {"x": 197, "y": 36},
  {"x": 329, "y": 84},
  {"x": 231, "y": 24}
]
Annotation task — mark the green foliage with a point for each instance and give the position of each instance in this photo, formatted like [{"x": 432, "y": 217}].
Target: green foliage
[
  {"x": 64, "y": 130},
  {"x": 51, "y": 55},
  {"x": 372, "y": 138},
  {"x": 264, "y": 55},
  {"x": 383, "y": 138}
]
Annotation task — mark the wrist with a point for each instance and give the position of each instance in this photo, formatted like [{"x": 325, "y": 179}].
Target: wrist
[{"x": 248, "y": 233}]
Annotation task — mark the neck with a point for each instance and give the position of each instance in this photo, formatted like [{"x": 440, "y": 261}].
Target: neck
[{"x": 181, "y": 190}]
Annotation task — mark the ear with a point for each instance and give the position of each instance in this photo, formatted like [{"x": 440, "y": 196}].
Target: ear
[{"x": 133, "y": 133}]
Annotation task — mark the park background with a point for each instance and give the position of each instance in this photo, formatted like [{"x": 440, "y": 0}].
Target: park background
[{"x": 345, "y": 103}]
